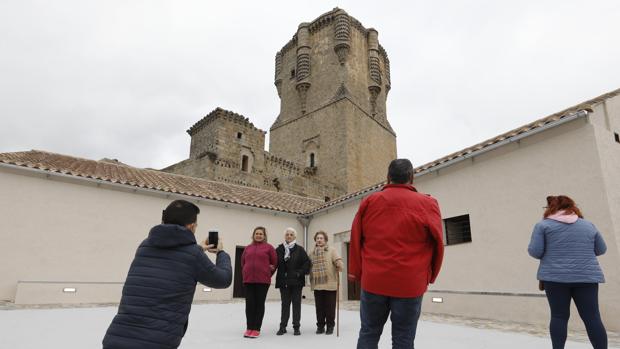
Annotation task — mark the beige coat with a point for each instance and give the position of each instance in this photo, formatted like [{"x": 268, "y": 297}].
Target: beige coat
[{"x": 332, "y": 270}]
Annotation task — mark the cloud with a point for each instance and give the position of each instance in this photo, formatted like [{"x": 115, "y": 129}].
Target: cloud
[{"x": 126, "y": 79}]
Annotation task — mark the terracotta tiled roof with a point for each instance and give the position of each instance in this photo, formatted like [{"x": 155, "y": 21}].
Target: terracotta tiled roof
[
  {"x": 587, "y": 105},
  {"x": 160, "y": 181},
  {"x": 346, "y": 197}
]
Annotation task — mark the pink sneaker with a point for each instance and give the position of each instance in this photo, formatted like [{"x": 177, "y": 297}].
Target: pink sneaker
[
  {"x": 255, "y": 334},
  {"x": 248, "y": 333}
]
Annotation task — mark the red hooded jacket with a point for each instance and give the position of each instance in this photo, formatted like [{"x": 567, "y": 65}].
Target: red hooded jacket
[
  {"x": 258, "y": 263},
  {"x": 396, "y": 246}
]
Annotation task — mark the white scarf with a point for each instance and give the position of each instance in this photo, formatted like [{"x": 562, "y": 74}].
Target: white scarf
[{"x": 287, "y": 249}]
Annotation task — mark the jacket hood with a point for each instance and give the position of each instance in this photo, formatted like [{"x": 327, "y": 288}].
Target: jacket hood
[
  {"x": 560, "y": 216},
  {"x": 170, "y": 235}
]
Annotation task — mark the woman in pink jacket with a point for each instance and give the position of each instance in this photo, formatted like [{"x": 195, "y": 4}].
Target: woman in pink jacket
[{"x": 258, "y": 263}]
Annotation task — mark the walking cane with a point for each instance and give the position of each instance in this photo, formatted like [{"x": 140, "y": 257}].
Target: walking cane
[{"x": 338, "y": 307}]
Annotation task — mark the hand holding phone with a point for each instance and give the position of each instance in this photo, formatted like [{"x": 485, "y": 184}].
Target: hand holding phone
[{"x": 213, "y": 238}]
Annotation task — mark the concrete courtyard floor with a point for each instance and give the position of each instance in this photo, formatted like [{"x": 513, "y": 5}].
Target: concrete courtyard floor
[{"x": 217, "y": 325}]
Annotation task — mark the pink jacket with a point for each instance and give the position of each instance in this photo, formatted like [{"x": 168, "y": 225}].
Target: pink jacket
[{"x": 258, "y": 263}]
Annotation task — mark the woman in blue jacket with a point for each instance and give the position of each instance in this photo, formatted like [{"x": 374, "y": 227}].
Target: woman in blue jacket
[{"x": 567, "y": 246}]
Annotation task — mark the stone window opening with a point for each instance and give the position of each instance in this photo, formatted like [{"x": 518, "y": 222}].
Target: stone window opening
[
  {"x": 244, "y": 163},
  {"x": 312, "y": 160},
  {"x": 292, "y": 73},
  {"x": 617, "y": 137},
  {"x": 239, "y": 135}
]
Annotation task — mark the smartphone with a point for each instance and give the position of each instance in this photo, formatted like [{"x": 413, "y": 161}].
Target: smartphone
[{"x": 213, "y": 237}]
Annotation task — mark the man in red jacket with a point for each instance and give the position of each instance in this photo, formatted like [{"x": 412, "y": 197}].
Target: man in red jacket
[{"x": 396, "y": 251}]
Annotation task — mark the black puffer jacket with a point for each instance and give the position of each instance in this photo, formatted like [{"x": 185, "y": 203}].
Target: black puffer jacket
[
  {"x": 293, "y": 271},
  {"x": 160, "y": 286}
]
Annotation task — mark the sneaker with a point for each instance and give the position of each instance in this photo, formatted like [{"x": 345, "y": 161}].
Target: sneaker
[
  {"x": 281, "y": 331},
  {"x": 296, "y": 332},
  {"x": 320, "y": 330},
  {"x": 247, "y": 333},
  {"x": 254, "y": 334}
]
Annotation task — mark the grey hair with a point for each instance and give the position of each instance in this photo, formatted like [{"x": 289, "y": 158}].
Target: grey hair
[{"x": 292, "y": 230}]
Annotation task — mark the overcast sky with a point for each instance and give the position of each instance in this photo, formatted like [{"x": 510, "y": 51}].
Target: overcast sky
[{"x": 126, "y": 79}]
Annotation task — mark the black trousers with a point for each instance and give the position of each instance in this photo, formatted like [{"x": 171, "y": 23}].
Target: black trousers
[
  {"x": 255, "y": 295},
  {"x": 290, "y": 294},
  {"x": 585, "y": 296},
  {"x": 325, "y": 303}
]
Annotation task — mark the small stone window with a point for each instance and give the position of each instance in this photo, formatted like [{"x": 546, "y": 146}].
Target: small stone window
[
  {"x": 244, "y": 163},
  {"x": 457, "y": 230},
  {"x": 312, "y": 161},
  {"x": 239, "y": 135},
  {"x": 292, "y": 73},
  {"x": 617, "y": 137}
]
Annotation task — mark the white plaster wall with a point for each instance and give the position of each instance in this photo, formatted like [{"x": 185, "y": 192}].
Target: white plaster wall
[
  {"x": 59, "y": 231},
  {"x": 607, "y": 123}
]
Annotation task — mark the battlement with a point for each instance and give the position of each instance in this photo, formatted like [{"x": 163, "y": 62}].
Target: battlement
[{"x": 219, "y": 113}]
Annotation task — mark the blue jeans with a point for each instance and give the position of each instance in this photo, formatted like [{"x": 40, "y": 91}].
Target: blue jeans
[
  {"x": 374, "y": 311},
  {"x": 585, "y": 296}
]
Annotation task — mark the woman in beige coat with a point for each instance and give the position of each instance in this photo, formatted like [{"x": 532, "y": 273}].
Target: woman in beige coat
[{"x": 326, "y": 264}]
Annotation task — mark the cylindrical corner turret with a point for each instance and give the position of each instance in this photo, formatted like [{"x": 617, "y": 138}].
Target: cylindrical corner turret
[
  {"x": 374, "y": 69},
  {"x": 278, "y": 74},
  {"x": 303, "y": 64},
  {"x": 342, "y": 36}
]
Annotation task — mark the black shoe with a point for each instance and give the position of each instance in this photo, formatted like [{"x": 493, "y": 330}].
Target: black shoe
[
  {"x": 330, "y": 330},
  {"x": 320, "y": 330},
  {"x": 281, "y": 331},
  {"x": 296, "y": 332}
]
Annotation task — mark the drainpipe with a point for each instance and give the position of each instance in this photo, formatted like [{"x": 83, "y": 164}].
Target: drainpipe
[{"x": 305, "y": 222}]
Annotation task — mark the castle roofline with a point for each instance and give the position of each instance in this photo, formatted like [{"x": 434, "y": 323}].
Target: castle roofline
[
  {"x": 152, "y": 181},
  {"x": 324, "y": 20},
  {"x": 220, "y": 113}
]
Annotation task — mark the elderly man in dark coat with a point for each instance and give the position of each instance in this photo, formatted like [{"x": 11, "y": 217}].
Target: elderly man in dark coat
[
  {"x": 293, "y": 266},
  {"x": 157, "y": 295}
]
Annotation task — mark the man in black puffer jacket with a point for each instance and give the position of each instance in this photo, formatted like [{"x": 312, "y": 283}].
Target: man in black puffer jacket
[{"x": 157, "y": 295}]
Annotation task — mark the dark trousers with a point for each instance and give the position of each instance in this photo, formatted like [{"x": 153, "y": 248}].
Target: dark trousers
[
  {"x": 374, "y": 310},
  {"x": 585, "y": 296},
  {"x": 325, "y": 303},
  {"x": 290, "y": 294},
  {"x": 255, "y": 295}
]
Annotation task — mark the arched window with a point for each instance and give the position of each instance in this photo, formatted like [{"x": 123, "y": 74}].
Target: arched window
[
  {"x": 312, "y": 164},
  {"x": 244, "y": 163}
]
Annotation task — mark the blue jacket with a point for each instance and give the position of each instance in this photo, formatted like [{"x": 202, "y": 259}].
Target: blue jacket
[
  {"x": 160, "y": 286},
  {"x": 567, "y": 251}
]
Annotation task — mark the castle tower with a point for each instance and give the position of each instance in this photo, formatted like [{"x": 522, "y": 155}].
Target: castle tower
[
  {"x": 225, "y": 147},
  {"x": 333, "y": 78}
]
